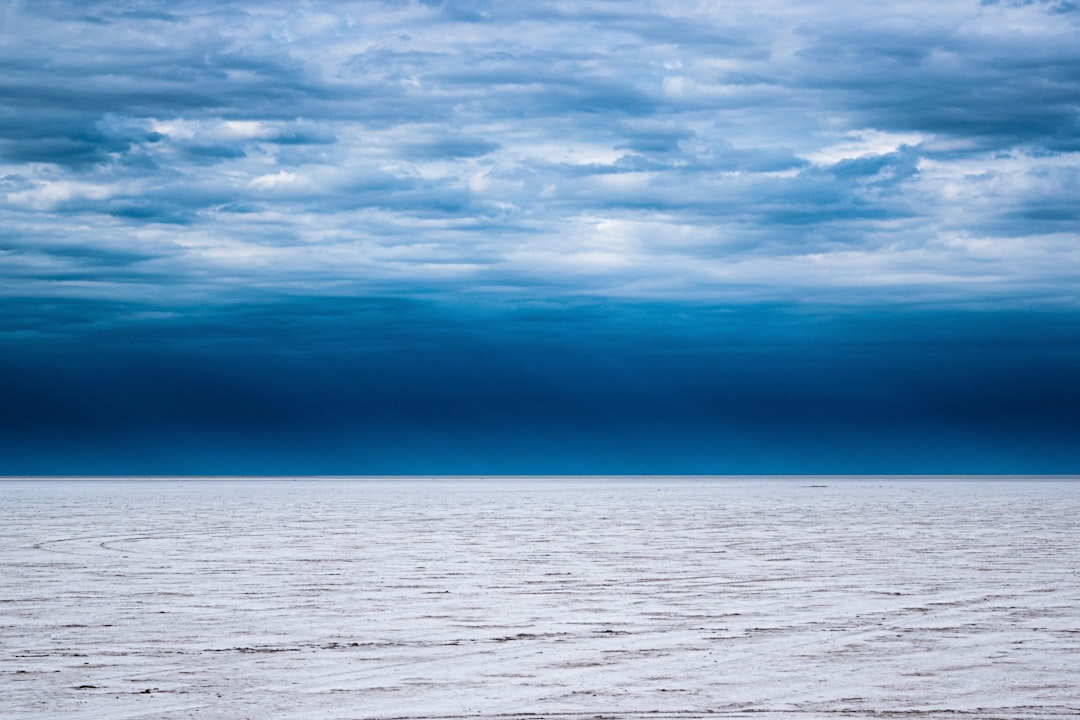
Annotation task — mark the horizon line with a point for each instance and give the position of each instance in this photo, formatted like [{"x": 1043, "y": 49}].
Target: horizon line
[{"x": 539, "y": 476}]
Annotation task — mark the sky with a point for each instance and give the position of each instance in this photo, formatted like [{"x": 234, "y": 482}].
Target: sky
[{"x": 539, "y": 237}]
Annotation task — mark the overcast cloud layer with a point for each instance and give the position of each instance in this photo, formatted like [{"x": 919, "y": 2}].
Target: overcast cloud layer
[
  {"x": 627, "y": 149},
  {"x": 584, "y": 236}
]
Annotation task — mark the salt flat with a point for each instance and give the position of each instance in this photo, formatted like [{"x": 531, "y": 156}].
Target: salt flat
[{"x": 584, "y": 598}]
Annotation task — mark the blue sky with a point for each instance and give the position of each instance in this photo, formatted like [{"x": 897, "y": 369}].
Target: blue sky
[{"x": 448, "y": 237}]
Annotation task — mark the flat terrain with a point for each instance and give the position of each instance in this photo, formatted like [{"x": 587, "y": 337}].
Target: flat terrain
[{"x": 573, "y": 599}]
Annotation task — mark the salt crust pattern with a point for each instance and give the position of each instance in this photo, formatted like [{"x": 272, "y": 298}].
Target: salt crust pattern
[{"x": 573, "y": 599}]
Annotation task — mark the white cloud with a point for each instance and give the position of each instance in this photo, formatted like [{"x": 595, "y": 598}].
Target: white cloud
[
  {"x": 858, "y": 143},
  {"x": 275, "y": 180},
  {"x": 49, "y": 194}
]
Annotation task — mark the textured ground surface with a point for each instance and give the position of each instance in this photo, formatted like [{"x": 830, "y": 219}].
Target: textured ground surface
[{"x": 795, "y": 598}]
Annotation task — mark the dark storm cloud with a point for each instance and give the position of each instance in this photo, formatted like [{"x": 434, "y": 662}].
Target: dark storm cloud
[
  {"x": 450, "y": 147},
  {"x": 64, "y": 139},
  {"x": 993, "y": 88},
  {"x": 320, "y": 384}
]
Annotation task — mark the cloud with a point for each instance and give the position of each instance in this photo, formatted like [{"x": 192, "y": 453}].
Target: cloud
[
  {"x": 626, "y": 149},
  {"x": 450, "y": 147},
  {"x": 374, "y": 383}
]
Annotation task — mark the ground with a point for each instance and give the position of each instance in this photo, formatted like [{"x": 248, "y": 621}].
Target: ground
[{"x": 531, "y": 598}]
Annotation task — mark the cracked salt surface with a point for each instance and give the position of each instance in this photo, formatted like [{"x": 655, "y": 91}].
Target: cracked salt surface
[{"x": 570, "y": 598}]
